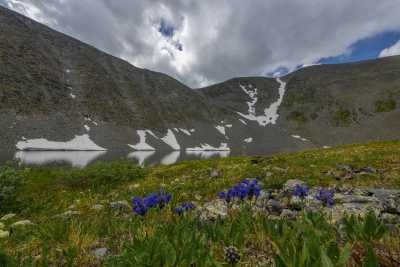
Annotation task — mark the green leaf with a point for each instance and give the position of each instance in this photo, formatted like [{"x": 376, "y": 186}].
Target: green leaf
[
  {"x": 325, "y": 260},
  {"x": 345, "y": 256},
  {"x": 370, "y": 259}
]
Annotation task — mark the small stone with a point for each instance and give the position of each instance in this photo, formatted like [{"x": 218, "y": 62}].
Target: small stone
[
  {"x": 213, "y": 210},
  {"x": 368, "y": 170},
  {"x": 390, "y": 218},
  {"x": 345, "y": 167},
  {"x": 120, "y": 205},
  {"x": 72, "y": 207},
  {"x": 274, "y": 206},
  {"x": 268, "y": 174},
  {"x": 21, "y": 223},
  {"x": 8, "y": 216},
  {"x": 215, "y": 174},
  {"x": 68, "y": 214},
  {"x": 97, "y": 207},
  {"x": 4, "y": 234},
  {"x": 288, "y": 214},
  {"x": 100, "y": 252},
  {"x": 278, "y": 169},
  {"x": 290, "y": 185}
]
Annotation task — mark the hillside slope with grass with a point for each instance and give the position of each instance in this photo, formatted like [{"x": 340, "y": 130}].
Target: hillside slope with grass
[
  {"x": 328, "y": 207},
  {"x": 56, "y": 90}
]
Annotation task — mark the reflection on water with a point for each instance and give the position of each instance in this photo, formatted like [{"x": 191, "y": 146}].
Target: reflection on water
[
  {"x": 83, "y": 158},
  {"x": 171, "y": 158},
  {"x": 75, "y": 158},
  {"x": 141, "y": 156},
  {"x": 209, "y": 154}
]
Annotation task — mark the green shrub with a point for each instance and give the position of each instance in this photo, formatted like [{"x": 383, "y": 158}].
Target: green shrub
[
  {"x": 11, "y": 183},
  {"x": 297, "y": 116},
  {"x": 342, "y": 117},
  {"x": 102, "y": 174},
  {"x": 385, "y": 105}
]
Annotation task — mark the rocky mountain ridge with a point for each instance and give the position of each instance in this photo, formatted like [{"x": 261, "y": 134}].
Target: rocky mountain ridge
[{"x": 57, "y": 93}]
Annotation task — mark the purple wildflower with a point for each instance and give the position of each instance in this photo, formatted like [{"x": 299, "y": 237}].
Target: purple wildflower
[
  {"x": 184, "y": 207},
  {"x": 326, "y": 197},
  {"x": 301, "y": 191}
]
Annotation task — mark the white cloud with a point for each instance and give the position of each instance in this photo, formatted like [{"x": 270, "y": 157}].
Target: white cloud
[
  {"x": 391, "y": 51},
  {"x": 220, "y": 39}
]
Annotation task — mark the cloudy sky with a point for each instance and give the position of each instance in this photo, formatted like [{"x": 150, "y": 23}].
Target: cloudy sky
[{"x": 208, "y": 41}]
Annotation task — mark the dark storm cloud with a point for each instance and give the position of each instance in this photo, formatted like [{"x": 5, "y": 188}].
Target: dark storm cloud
[{"x": 207, "y": 41}]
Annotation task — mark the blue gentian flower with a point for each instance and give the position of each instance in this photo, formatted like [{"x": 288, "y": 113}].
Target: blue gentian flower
[
  {"x": 184, "y": 207},
  {"x": 153, "y": 200},
  {"x": 301, "y": 191},
  {"x": 242, "y": 190},
  {"x": 326, "y": 197}
]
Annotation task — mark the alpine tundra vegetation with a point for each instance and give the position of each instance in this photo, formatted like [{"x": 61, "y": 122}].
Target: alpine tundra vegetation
[{"x": 327, "y": 207}]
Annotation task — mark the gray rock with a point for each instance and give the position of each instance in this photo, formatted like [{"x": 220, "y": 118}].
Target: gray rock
[
  {"x": 288, "y": 214},
  {"x": 22, "y": 223},
  {"x": 390, "y": 218},
  {"x": 100, "y": 252},
  {"x": 8, "y": 216},
  {"x": 290, "y": 185},
  {"x": 345, "y": 167},
  {"x": 368, "y": 170},
  {"x": 215, "y": 174},
  {"x": 68, "y": 214},
  {"x": 274, "y": 206},
  {"x": 214, "y": 210},
  {"x": 340, "y": 198},
  {"x": 120, "y": 205},
  {"x": 268, "y": 174},
  {"x": 4, "y": 234},
  {"x": 97, "y": 207}
]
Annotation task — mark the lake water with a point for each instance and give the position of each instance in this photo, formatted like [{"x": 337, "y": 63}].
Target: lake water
[{"x": 84, "y": 158}]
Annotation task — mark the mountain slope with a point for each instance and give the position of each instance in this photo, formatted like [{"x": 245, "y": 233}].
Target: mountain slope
[{"x": 56, "y": 91}]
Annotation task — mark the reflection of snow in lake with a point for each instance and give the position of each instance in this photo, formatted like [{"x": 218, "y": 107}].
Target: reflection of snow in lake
[
  {"x": 75, "y": 158},
  {"x": 208, "y": 154},
  {"x": 141, "y": 156},
  {"x": 171, "y": 158}
]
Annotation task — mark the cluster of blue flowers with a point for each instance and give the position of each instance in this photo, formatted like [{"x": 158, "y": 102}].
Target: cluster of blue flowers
[
  {"x": 245, "y": 189},
  {"x": 301, "y": 191},
  {"x": 325, "y": 196},
  {"x": 184, "y": 207},
  {"x": 142, "y": 205}
]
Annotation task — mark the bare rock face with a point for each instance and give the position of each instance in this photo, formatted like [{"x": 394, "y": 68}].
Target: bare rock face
[
  {"x": 79, "y": 90},
  {"x": 213, "y": 210}
]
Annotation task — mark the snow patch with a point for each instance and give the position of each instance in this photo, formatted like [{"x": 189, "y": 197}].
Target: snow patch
[
  {"x": 185, "y": 131},
  {"x": 92, "y": 121},
  {"x": 300, "y": 138},
  {"x": 208, "y": 154},
  {"x": 78, "y": 143},
  {"x": 76, "y": 158},
  {"x": 271, "y": 113},
  {"x": 326, "y": 147},
  {"x": 170, "y": 140},
  {"x": 86, "y": 127},
  {"x": 221, "y": 129},
  {"x": 228, "y": 125},
  {"x": 242, "y": 121},
  {"x": 141, "y": 156},
  {"x": 142, "y": 145},
  {"x": 249, "y": 140},
  {"x": 171, "y": 158},
  {"x": 72, "y": 95},
  {"x": 207, "y": 147},
  {"x": 192, "y": 130}
]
